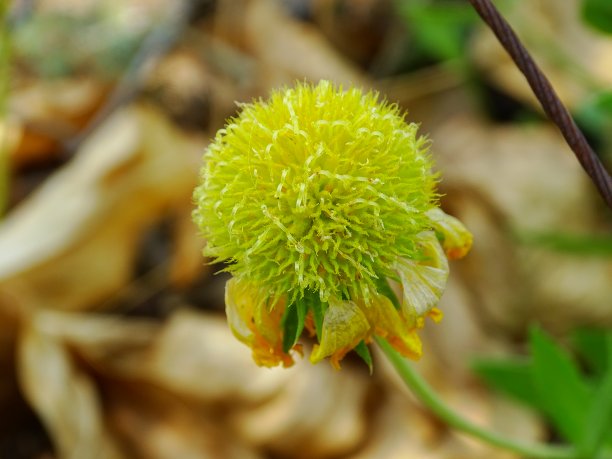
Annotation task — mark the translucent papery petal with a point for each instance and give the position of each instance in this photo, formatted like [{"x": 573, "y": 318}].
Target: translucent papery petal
[
  {"x": 344, "y": 325},
  {"x": 268, "y": 319},
  {"x": 239, "y": 309},
  {"x": 256, "y": 324},
  {"x": 423, "y": 281},
  {"x": 456, "y": 239},
  {"x": 389, "y": 324}
]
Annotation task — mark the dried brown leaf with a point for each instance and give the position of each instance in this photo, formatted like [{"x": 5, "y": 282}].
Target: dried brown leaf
[
  {"x": 288, "y": 50},
  {"x": 63, "y": 396},
  {"x": 156, "y": 425},
  {"x": 507, "y": 180},
  {"x": 196, "y": 355},
  {"x": 49, "y": 112},
  {"x": 72, "y": 243},
  {"x": 114, "y": 344},
  {"x": 320, "y": 412}
]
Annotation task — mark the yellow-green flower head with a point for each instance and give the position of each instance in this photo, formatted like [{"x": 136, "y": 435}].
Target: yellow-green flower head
[{"x": 315, "y": 198}]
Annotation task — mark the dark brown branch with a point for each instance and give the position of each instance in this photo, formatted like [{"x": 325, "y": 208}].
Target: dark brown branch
[{"x": 547, "y": 96}]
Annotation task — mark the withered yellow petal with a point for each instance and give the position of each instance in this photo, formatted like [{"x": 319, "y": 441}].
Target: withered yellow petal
[
  {"x": 388, "y": 323},
  {"x": 344, "y": 325},
  {"x": 239, "y": 308},
  {"x": 256, "y": 325},
  {"x": 456, "y": 239},
  {"x": 267, "y": 318},
  {"x": 423, "y": 281}
]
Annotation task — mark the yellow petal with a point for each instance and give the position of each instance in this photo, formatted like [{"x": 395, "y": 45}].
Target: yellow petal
[
  {"x": 256, "y": 324},
  {"x": 435, "y": 314},
  {"x": 268, "y": 319},
  {"x": 388, "y": 323},
  {"x": 239, "y": 309},
  {"x": 423, "y": 281},
  {"x": 456, "y": 239},
  {"x": 344, "y": 325}
]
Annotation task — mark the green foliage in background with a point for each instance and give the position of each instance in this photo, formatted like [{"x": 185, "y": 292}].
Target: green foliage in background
[
  {"x": 595, "y": 116},
  {"x": 598, "y": 14},
  {"x": 573, "y": 391},
  {"x": 55, "y": 45},
  {"x": 440, "y": 29},
  {"x": 571, "y": 244}
]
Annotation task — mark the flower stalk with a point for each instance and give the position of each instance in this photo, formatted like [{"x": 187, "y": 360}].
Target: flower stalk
[
  {"x": 428, "y": 397},
  {"x": 5, "y": 52}
]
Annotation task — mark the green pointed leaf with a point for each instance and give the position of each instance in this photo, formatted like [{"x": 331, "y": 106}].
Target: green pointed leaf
[
  {"x": 318, "y": 308},
  {"x": 512, "y": 377},
  {"x": 592, "y": 347},
  {"x": 440, "y": 29},
  {"x": 595, "y": 112},
  {"x": 363, "y": 351},
  {"x": 293, "y": 323},
  {"x": 598, "y": 14},
  {"x": 564, "y": 394},
  {"x": 599, "y": 418}
]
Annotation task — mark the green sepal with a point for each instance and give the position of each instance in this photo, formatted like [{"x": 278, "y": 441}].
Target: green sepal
[
  {"x": 318, "y": 308},
  {"x": 363, "y": 351},
  {"x": 383, "y": 287},
  {"x": 293, "y": 323}
]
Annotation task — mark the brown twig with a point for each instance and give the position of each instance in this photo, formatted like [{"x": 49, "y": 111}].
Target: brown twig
[{"x": 547, "y": 96}]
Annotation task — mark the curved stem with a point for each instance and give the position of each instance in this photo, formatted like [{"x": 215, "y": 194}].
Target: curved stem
[
  {"x": 430, "y": 399},
  {"x": 4, "y": 89}
]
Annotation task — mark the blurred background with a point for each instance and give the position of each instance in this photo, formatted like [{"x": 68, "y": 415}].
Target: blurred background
[{"x": 113, "y": 341}]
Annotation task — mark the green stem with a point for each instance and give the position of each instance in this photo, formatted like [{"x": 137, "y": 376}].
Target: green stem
[
  {"x": 430, "y": 399},
  {"x": 4, "y": 89}
]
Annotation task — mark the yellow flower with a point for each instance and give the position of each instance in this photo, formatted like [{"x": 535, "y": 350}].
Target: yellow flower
[{"x": 316, "y": 199}]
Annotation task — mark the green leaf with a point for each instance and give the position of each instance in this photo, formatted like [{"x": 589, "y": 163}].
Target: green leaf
[
  {"x": 293, "y": 323},
  {"x": 363, "y": 351},
  {"x": 599, "y": 420},
  {"x": 383, "y": 287},
  {"x": 440, "y": 29},
  {"x": 512, "y": 377},
  {"x": 592, "y": 347},
  {"x": 563, "y": 393},
  {"x": 591, "y": 245},
  {"x": 595, "y": 117},
  {"x": 598, "y": 14},
  {"x": 596, "y": 111},
  {"x": 318, "y": 308}
]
